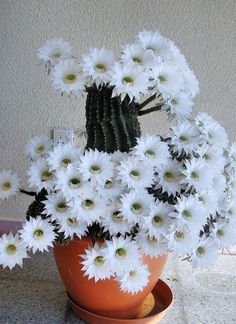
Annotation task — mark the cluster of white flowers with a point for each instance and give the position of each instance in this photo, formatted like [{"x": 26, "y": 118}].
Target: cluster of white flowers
[
  {"x": 151, "y": 65},
  {"x": 164, "y": 195},
  {"x": 176, "y": 194}
]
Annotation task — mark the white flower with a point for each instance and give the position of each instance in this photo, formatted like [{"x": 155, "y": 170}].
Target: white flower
[
  {"x": 97, "y": 64},
  {"x": 135, "y": 205},
  {"x": 224, "y": 233},
  {"x": 213, "y": 157},
  {"x": 9, "y": 184},
  {"x": 112, "y": 189},
  {"x": 129, "y": 79},
  {"x": 168, "y": 178},
  {"x": 135, "y": 174},
  {"x": 232, "y": 154},
  {"x": 151, "y": 245},
  {"x": 185, "y": 137},
  {"x": 70, "y": 181},
  {"x": 197, "y": 175},
  {"x": 38, "y": 234},
  {"x": 66, "y": 77},
  {"x": 189, "y": 211},
  {"x": 134, "y": 280},
  {"x": 12, "y": 251},
  {"x": 166, "y": 78},
  {"x": 190, "y": 83},
  {"x": 152, "y": 149},
  {"x": 54, "y": 50},
  {"x": 72, "y": 226},
  {"x": 209, "y": 200},
  {"x": 182, "y": 241},
  {"x": 56, "y": 206},
  {"x": 40, "y": 176},
  {"x": 38, "y": 146},
  {"x": 95, "y": 264},
  {"x": 62, "y": 156},
  {"x": 154, "y": 42},
  {"x": 122, "y": 255},
  {"x": 135, "y": 52},
  {"x": 96, "y": 166},
  {"x": 179, "y": 104},
  {"x": 212, "y": 132},
  {"x": 88, "y": 207},
  {"x": 205, "y": 253},
  {"x": 114, "y": 222},
  {"x": 158, "y": 221}
]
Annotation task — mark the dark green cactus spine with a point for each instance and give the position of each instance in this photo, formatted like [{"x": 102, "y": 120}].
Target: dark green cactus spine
[{"x": 111, "y": 124}]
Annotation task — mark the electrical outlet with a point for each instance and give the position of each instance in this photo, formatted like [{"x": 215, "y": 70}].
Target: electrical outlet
[{"x": 63, "y": 136}]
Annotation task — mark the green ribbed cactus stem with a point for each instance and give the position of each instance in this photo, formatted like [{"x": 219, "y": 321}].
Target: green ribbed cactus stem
[{"x": 111, "y": 124}]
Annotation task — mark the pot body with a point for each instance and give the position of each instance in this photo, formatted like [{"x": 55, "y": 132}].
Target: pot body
[{"x": 103, "y": 297}]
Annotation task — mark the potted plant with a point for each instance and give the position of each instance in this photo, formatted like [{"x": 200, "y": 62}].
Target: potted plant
[{"x": 114, "y": 210}]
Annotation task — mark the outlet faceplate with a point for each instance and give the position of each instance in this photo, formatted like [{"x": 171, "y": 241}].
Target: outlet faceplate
[{"x": 63, "y": 136}]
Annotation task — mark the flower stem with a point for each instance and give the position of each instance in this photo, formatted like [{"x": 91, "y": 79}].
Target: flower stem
[
  {"x": 149, "y": 110},
  {"x": 147, "y": 101},
  {"x": 29, "y": 193}
]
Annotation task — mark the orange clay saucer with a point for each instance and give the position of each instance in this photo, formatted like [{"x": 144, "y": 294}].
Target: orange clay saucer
[{"x": 152, "y": 309}]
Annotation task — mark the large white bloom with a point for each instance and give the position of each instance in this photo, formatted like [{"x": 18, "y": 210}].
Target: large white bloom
[
  {"x": 224, "y": 233},
  {"x": 213, "y": 157},
  {"x": 185, "y": 137},
  {"x": 70, "y": 181},
  {"x": 190, "y": 83},
  {"x": 135, "y": 174},
  {"x": 166, "y": 78},
  {"x": 136, "y": 53},
  {"x": 57, "y": 206},
  {"x": 97, "y": 64},
  {"x": 129, "y": 79},
  {"x": 72, "y": 226},
  {"x": 212, "y": 132},
  {"x": 179, "y": 104},
  {"x": 151, "y": 245},
  {"x": 38, "y": 234},
  {"x": 182, "y": 241},
  {"x": 88, "y": 207},
  {"x": 158, "y": 221},
  {"x": 205, "y": 253},
  {"x": 152, "y": 149},
  {"x": 95, "y": 264},
  {"x": 197, "y": 175},
  {"x": 12, "y": 251},
  {"x": 96, "y": 166},
  {"x": 53, "y": 50},
  {"x": 114, "y": 222},
  {"x": 134, "y": 280},
  {"x": 66, "y": 77},
  {"x": 38, "y": 146},
  {"x": 168, "y": 177},
  {"x": 155, "y": 43},
  {"x": 9, "y": 184},
  {"x": 40, "y": 176},
  {"x": 62, "y": 156},
  {"x": 135, "y": 205},
  {"x": 189, "y": 211},
  {"x": 122, "y": 255}
]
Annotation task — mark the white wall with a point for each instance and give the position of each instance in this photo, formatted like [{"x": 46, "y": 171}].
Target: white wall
[{"x": 203, "y": 30}]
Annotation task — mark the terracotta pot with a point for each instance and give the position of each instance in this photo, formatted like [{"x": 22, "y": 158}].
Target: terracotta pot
[{"x": 104, "y": 297}]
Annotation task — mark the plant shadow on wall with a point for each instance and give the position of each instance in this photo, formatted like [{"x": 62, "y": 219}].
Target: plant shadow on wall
[{"x": 130, "y": 195}]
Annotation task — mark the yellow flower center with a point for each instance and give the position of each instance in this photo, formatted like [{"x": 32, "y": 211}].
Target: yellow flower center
[
  {"x": 40, "y": 149},
  {"x": 120, "y": 253},
  {"x": 149, "y": 153},
  {"x": 99, "y": 260},
  {"x": 137, "y": 208},
  {"x": 11, "y": 249},
  {"x": 127, "y": 80},
  {"x": 61, "y": 207},
  {"x": 38, "y": 234},
  {"x": 88, "y": 204},
  {"x": 46, "y": 175},
  {"x": 6, "y": 186},
  {"x": 70, "y": 78},
  {"x": 169, "y": 176},
  {"x": 101, "y": 67}
]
